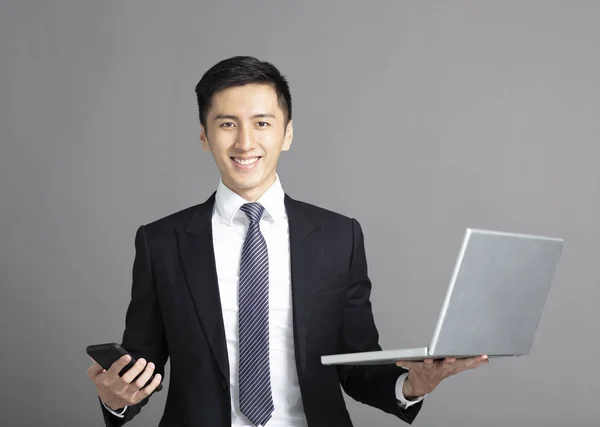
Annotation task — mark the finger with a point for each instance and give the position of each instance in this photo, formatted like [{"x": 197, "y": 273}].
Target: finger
[
  {"x": 143, "y": 379},
  {"x": 94, "y": 370},
  {"x": 130, "y": 375},
  {"x": 472, "y": 364},
  {"x": 116, "y": 367},
  {"x": 480, "y": 361},
  {"x": 449, "y": 360},
  {"x": 428, "y": 364},
  {"x": 148, "y": 390},
  {"x": 408, "y": 364},
  {"x": 458, "y": 365},
  {"x": 470, "y": 361},
  {"x": 476, "y": 365}
]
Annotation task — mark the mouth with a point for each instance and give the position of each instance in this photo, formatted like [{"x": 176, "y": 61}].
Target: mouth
[{"x": 245, "y": 162}]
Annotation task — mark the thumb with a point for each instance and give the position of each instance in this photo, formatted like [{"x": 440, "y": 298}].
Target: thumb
[
  {"x": 406, "y": 364},
  {"x": 95, "y": 369}
]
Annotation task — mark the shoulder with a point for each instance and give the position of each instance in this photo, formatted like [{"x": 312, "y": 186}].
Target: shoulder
[
  {"x": 332, "y": 220},
  {"x": 318, "y": 212},
  {"x": 196, "y": 215},
  {"x": 173, "y": 220}
]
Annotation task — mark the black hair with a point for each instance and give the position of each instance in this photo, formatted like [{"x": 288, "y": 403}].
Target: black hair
[{"x": 239, "y": 71}]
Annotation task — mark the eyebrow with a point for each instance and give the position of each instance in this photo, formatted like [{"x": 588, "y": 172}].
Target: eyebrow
[{"x": 232, "y": 117}]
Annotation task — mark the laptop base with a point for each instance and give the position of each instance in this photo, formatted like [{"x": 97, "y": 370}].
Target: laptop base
[{"x": 387, "y": 357}]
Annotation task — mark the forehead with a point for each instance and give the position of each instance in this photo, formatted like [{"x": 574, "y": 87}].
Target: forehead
[{"x": 245, "y": 100}]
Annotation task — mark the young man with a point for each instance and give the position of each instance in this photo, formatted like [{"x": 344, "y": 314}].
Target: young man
[{"x": 247, "y": 290}]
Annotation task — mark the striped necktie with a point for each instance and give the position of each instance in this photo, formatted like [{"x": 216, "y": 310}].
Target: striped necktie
[{"x": 256, "y": 401}]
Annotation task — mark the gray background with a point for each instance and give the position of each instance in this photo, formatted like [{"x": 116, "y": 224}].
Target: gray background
[{"x": 417, "y": 118}]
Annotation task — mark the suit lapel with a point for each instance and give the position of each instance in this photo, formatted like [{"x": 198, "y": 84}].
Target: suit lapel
[
  {"x": 306, "y": 252},
  {"x": 198, "y": 258}
]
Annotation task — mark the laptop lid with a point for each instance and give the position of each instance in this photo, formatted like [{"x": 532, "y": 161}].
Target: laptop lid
[{"x": 496, "y": 294}]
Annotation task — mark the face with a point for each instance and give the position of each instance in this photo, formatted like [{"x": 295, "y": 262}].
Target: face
[{"x": 246, "y": 133}]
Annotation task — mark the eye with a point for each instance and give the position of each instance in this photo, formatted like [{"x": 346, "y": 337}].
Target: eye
[
  {"x": 227, "y": 124},
  {"x": 262, "y": 124}
]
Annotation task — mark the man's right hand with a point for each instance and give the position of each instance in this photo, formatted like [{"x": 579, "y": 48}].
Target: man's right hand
[{"x": 117, "y": 392}]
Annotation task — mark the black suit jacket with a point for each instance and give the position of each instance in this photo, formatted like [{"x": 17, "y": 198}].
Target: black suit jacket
[{"x": 175, "y": 312}]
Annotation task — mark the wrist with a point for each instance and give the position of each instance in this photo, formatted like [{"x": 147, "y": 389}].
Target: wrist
[
  {"x": 408, "y": 392},
  {"x": 109, "y": 406}
]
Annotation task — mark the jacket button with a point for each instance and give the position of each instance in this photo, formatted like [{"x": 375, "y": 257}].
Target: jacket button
[{"x": 224, "y": 384}]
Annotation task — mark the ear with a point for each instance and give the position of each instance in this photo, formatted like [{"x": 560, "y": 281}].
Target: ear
[
  {"x": 289, "y": 135},
  {"x": 204, "y": 139}
]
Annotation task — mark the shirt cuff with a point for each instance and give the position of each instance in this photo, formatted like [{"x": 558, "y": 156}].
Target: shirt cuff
[
  {"x": 116, "y": 414},
  {"x": 402, "y": 401}
]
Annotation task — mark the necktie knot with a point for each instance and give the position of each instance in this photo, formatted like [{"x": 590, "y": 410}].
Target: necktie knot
[{"x": 253, "y": 211}]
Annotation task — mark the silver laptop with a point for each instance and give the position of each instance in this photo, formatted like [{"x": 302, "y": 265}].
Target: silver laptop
[{"x": 493, "y": 304}]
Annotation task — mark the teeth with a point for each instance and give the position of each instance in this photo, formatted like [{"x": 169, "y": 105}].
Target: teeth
[{"x": 245, "y": 161}]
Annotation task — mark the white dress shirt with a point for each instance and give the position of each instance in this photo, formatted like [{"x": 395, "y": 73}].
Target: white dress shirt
[{"x": 230, "y": 226}]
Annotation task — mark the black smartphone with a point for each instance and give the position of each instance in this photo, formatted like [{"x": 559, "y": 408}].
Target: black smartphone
[{"x": 109, "y": 353}]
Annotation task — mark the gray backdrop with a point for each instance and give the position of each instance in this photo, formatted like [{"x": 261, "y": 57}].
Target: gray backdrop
[{"x": 417, "y": 118}]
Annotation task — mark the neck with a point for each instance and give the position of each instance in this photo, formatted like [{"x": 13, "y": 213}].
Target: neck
[{"x": 253, "y": 194}]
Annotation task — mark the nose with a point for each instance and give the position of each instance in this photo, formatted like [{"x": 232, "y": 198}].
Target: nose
[{"x": 245, "y": 139}]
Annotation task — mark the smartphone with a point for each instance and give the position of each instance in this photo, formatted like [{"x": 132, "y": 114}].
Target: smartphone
[{"x": 109, "y": 353}]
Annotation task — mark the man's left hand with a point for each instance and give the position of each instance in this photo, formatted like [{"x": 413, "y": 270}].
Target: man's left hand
[{"x": 424, "y": 377}]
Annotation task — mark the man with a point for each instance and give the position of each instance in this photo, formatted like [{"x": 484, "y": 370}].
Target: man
[{"x": 247, "y": 290}]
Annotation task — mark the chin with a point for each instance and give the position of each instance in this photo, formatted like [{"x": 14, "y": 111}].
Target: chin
[{"x": 246, "y": 184}]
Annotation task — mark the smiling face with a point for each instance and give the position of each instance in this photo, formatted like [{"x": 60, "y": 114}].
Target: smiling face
[{"x": 246, "y": 133}]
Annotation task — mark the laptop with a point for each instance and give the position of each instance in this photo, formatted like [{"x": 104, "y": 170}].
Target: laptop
[{"x": 493, "y": 303}]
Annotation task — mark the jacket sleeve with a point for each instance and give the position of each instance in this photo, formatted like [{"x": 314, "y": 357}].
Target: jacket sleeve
[
  {"x": 144, "y": 334},
  {"x": 373, "y": 385}
]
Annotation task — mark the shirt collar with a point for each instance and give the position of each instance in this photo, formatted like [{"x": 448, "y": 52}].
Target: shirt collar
[{"x": 228, "y": 203}]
